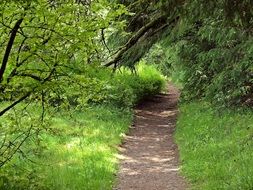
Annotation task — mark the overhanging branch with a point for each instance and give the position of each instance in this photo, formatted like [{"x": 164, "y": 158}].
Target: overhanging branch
[{"x": 157, "y": 24}]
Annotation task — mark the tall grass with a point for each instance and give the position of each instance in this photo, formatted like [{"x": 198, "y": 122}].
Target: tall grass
[{"x": 216, "y": 149}]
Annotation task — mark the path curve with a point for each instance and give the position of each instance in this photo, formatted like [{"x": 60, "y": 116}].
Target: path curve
[{"x": 149, "y": 157}]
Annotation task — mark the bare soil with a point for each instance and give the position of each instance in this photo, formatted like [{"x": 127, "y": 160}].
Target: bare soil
[{"x": 149, "y": 156}]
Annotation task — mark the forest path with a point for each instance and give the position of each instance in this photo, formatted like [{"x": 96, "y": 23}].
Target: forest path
[{"x": 149, "y": 157}]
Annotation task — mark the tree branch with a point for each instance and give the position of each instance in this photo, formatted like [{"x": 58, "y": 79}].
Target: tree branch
[
  {"x": 9, "y": 47},
  {"x": 28, "y": 93},
  {"x": 160, "y": 21},
  {"x": 15, "y": 103}
]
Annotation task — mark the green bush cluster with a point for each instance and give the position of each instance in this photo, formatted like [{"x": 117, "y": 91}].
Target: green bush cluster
[
  {"x": 101, "y": 86},
  {"x": 147, "y": 82},
  {"x": 126, "y": 89}
]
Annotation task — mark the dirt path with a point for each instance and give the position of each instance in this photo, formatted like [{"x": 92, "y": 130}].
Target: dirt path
[{"x": 149, "y": 157}]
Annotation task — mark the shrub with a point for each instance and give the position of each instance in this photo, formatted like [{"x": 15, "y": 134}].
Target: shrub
[
  {"x": 147, "y": 82},
  {"x": 101, "y": 86}
]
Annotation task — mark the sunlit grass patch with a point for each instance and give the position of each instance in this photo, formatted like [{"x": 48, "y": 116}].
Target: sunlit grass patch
[
  {"x": 85, "y": 159},
  {"x": 216, "y": 148},
  {"x": 78, "y": 152}
]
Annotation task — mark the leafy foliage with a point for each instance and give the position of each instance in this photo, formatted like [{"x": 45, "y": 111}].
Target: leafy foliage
[
  {"x": 214, "y": 53},
  {"x": 54, "y": 41}
]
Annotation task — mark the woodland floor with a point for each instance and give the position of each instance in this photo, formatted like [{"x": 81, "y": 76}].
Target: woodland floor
[{"x": 149, "y": 156}]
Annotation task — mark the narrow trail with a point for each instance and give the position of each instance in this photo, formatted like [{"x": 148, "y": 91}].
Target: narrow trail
[{"x": 149, "y": 157}]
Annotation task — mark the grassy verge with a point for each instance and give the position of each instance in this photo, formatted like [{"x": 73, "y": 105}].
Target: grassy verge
[
  {"x": 84, "y": 151},
  {"x": 78, "y": 152},
  {"x": 75, "y": 148},
  {"x": 216, "y": 149}
]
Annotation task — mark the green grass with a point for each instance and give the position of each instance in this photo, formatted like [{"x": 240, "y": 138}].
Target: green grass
[
  {"x": 79, "y": 152},
  {"x": 216, "y": 149},
  {"x": 86, "y": 157}
]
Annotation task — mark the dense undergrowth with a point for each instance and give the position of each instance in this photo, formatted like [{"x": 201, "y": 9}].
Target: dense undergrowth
[
  {"x": 216, "y": 148},
  {"x": 75, "y": 146}
]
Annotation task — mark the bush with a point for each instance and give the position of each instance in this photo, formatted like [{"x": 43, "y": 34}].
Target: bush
[
  {"x": 147, "y": 82},
  {"x": 101, "y": 86}
]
